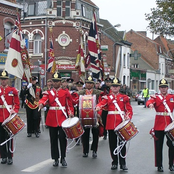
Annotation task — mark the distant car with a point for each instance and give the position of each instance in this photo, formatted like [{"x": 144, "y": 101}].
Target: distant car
[
  {"x": 137, "y": 95},
  {"x": 140, "y": 98}
]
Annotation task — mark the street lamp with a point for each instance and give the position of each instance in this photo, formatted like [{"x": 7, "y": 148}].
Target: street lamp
[{"x": 117, "y": 25}]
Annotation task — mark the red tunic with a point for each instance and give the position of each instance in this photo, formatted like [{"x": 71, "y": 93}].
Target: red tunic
[
  {"x": 11, "y": 96},
  {"x": 161, "y": 121},
  {"x": 113, "y": 120},
  {"x": 55, "y": 117}
]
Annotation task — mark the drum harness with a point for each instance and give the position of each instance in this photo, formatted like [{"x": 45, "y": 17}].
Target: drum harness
[
  {"x": 11, "y": 137},
  {"x": 62, "y": 108}
]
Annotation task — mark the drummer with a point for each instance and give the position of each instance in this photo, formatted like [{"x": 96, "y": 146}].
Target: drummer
[
  {"x": 114, "y": 118},
  {"x": 56, "y": 116},
  {"x": 162, "y": 120},
  {"x": 90, "y": 90},
  {"x": 10, "y": 94}
]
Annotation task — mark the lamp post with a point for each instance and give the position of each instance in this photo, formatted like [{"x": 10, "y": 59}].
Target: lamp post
[{"x": 117, "y": 25}]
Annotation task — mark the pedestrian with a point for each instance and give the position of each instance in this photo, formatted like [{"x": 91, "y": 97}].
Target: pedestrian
[
  {"x": 90, "y": 90},
  {"x": 55, "y": 117},
  {"x": 106, "y": 90},
  {"x": 8, "y": 98},
  {"x": 33, "y": 94},
  {"x": 145, "y": 95},
  {"x": 114, "y": 118},
  {"x": 164, "y": 105},
  {"x": 22, "y": 96}
]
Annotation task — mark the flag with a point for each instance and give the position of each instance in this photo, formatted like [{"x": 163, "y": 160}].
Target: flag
[
  {"x": 51, "y": 61},
  {"x": 13, "y": 64},
  {"x": 17, "y": 62},
  {"x": 80, "y": 62},
  {"x": 94, "y": 51},
  {"x": 87, "y": 61}
]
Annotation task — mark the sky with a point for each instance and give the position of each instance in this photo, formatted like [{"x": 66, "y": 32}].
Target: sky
[{"x": 129, "y": 13}]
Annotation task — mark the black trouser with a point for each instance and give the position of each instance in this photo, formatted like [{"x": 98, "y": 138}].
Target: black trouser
[
  {"x": 113, "y": 145},
  {"x": 4, "y": 150},
  {"x": 55, "y": 134},
  {"x": 85, "y": 139},
  {"x": 104, "y": 117},
  {"x": 33, "y": 119},
  {"x": 159, "y": 148}
]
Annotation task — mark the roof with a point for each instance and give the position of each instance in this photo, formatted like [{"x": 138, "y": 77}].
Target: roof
[
  {"x": 148, "y": 48},
  {"x": 89, "y": 2},
  {"x": 110, "y": 30}
]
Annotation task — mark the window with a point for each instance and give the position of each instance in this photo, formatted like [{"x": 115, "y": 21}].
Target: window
[
  {"x": 37, "y": 44},
  {"x": 59, "y": 8},
  {"x": 31, "y": 9},
  {"x": 8, "y": 34},
  {"x": 135, "y": 66},
  {"x": 26, "y": 41},
  {"x": 67, "y": 8},
  {"x": 124, "y": 60},
  {"x": 128, "y": 60},
  {"x": 83, "y": 10},
  {"x": 124, "y": 79}
]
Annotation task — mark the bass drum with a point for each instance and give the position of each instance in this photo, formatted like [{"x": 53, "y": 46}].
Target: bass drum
[
  {"x": 170, "y": 131},
  {"x": 87, "y": 113}
]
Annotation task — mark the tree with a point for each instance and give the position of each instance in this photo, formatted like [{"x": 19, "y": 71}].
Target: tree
[{"x": 161, "y": 20}]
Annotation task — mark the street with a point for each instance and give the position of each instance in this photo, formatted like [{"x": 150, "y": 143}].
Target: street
[{"x": 32, "y": 155}]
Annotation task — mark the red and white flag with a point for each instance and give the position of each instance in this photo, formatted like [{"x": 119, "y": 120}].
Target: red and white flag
[{"x": 13, "y": 64}]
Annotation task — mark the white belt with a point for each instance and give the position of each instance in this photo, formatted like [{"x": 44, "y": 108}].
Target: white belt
[
  {"x": 56, "y": 108},
  {"x": 3, "y": 106},
  {"x": 163, "y": 113},
  {"x": 116, "y": 112}
]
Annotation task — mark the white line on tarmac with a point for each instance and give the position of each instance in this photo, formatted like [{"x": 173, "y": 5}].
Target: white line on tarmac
[{"x": 38, "y": 166}]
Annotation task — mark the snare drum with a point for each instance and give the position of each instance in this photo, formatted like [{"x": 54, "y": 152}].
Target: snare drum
[
  {"x": 13, "y": 124},
  {"x": 126, "y": 130},
  {"x": 72, "y": 128},
  {"x": 87, "y": 113},
  {"x": 170, "y": 131}
]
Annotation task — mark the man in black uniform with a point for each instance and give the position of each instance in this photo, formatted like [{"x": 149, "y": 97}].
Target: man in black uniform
[
  {"x": 33, "y": 94},
  {"x": 90, "y": 90}
]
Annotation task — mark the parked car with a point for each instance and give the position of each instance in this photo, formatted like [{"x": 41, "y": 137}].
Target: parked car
[
  {"x": 137, "y": 95},
  {"x": 140, "y": 98}
]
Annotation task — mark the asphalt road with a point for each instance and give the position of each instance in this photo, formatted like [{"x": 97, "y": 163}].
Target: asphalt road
[{"x": 32, "y": 155}]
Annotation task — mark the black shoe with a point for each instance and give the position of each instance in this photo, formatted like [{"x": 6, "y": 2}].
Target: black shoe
[
  {"x": 4, "y": 161},
  {"x": 85, "y": 155},
  {"x": 56, "y": 163},
  {"x": 64, "y": 164},
  {"x": 10, "y": 161},
  {"x": 39, "y": 131},
  {"x": 114, "y": 167},
  {"x": 123, "y": 167},
  {"x": 171, "y": 168},
  {"x": 94, "y": 154},
  {"x": 105, "y": 137},
  {"x": 160, "y": 169},
  {"x": 29, "y": 135},
  {"x": 37, "y": 135}
]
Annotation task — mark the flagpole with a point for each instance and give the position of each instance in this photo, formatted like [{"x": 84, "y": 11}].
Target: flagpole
[{"x": 46, "y": 35}]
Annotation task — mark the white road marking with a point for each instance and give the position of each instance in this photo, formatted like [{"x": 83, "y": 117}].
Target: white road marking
[{"x": 38, "y": 166}]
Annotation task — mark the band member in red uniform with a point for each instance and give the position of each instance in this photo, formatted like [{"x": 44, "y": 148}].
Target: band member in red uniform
[
  {"x": 114, "y": 118},
  {"x": 10, "y": 94},
  {"x": 33, "y": 94},
  {"x": 56, "y": 116},
  {"x": 164, "y": 105},
  {"x": 90, "y": 90}
]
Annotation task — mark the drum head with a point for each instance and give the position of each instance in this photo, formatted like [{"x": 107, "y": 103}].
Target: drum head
[
  {"x": 70, "y": 122},
  {"x": 169, "y": 127},
  {"x": 8, "y": 119},
  {"x": 121, "y": 125}
]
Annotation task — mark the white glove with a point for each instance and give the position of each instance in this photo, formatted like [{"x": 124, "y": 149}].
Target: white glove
[
  {"x": 44, "y": 108},
  {"x": 29, "y": 85}
]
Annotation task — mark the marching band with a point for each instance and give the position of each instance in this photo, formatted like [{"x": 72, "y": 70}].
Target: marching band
[{"x": 75, "y": 110}]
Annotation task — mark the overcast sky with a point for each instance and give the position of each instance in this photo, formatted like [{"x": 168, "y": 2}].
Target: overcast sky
[{"x": 129, "y": 13}]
